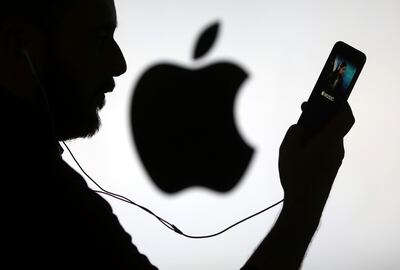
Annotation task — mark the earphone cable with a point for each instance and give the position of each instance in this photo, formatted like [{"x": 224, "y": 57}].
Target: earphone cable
[
  {"x": 111, "y": 194},
  {"x": 163, "y": 221}
]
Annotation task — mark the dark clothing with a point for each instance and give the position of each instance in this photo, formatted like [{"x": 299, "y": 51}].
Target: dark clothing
[{"x": 50, "y": 217}]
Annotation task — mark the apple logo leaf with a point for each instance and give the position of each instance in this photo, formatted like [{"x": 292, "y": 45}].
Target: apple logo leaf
[{"x": 206, "y": 40}]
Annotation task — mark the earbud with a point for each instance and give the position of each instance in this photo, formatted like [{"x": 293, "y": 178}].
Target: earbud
[
  {"x": 27, "y": 57},
  {"x": 42, "y": 90},
  {"x": 24, "y": 52},
  {"x": 35, "y": 75}
]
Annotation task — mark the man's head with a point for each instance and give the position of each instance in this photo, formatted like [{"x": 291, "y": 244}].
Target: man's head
[
  {"x": 342, "y": 68},
  {"x": 71, "y": 45}
]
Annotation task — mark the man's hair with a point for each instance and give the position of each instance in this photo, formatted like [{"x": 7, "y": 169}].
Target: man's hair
[
  {"x": 38, "y": 12},
  {"x": 343, "y": 64}
]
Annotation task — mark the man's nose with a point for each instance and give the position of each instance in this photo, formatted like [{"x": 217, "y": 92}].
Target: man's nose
[{"x": 119, "y": 64}]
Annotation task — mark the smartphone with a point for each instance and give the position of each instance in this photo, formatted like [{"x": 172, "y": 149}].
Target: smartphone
[{"x": 333, "y": 86}]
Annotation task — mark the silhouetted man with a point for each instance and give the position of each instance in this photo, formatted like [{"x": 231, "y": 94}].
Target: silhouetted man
[{"x": 57, "y": 60}]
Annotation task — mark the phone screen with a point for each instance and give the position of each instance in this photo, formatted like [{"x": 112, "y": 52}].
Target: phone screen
[
  {"x": 339, "y": 78},
  {"x": 333, "y": 86}
]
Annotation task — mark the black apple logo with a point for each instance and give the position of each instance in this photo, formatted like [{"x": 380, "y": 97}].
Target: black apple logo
[{"x": 183, "y": 123}]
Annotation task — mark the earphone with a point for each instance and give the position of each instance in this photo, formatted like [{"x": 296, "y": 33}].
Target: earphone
[
  {"x": 43, "y": 94},
  {"x": 102, "y": 191},
  {"x": 32, "y": 68}
]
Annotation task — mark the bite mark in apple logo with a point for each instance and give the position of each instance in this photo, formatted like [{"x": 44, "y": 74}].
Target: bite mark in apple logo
[{"x": 183, "y": 125}]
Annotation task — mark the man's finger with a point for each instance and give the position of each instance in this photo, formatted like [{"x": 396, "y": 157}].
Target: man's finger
[
  {"x": 303, "y": 106},
  {"x": 339, "y": 125},
  {"x": 295, "y": 135}
]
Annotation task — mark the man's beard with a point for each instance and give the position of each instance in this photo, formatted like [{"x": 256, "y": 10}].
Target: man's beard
[{"x": 74, "y": 111}]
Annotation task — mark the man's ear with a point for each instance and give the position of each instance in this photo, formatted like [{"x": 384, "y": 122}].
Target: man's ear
[{"x": 20, "y": 36}]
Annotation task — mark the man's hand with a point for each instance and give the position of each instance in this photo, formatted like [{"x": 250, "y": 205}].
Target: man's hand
[{"x": 308, "y": 165}]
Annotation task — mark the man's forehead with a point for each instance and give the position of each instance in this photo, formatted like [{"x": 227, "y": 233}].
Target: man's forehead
[{"x": 93, "y": 13}]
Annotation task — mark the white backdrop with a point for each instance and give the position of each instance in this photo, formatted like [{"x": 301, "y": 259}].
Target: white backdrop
[{"x": 283, "y": 45}]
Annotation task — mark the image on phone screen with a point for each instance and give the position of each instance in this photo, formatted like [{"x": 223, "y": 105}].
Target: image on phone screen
[{"x": 340, "y": 75}]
